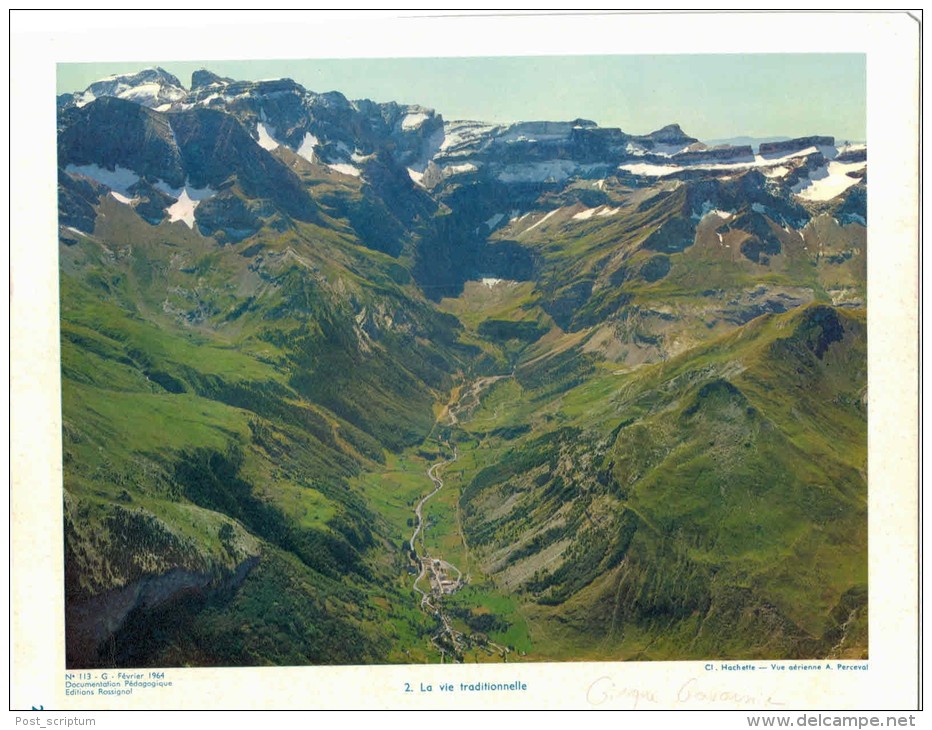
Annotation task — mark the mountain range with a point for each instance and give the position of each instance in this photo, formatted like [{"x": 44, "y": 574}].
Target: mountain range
[{"x": 640, "y": 361}]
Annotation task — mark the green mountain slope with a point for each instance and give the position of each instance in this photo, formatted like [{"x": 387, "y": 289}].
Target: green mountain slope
[
  {"x": 711, "y": 505},
  {"x": 337, "y": 388},
  {"x": 215, "y": 405}
]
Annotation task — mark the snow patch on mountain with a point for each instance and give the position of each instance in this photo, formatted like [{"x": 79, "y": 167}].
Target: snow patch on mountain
[
  {"x": 462, "y": 133},
  {"x": 142, "y": 93},
  {"x": 828, "y": 181},
  {"x": 774, "y": 158},
  {"x": 668, "y": 150},
  {"x": 649, "y": 170},
  {"x": 308, "y": 146},
  {"x": 601, "y": 211},
  {"x": 708, "y": 209},
  {"x": 86, "y": 98},
  {"x": 267, "y": 139},
  {"x": 151, "y": 87},
  {"x": 120, "y": 179},
  {"x": 187, "y": 199},
  {"x": 122, "y": 198},
  {"x": 414, "y": 121},
  {"x": 459, "y": 169},
  {"x": 776, "y": 172},
  {"x": 532, "y": 227},
  {"x": 345, "y": 169},
  {"x": 197, "y": 194},
  {"x": 653, "y": 170},
  {"x": 845, "y": 148},
  {"x": 183, "y": 209}
]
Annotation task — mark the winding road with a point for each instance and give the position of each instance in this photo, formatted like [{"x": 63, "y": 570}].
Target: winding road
[
  {"x": 424, "y": 560},
  {"x": 468, "y": 400},
  {"x": 439, "y": 485}
]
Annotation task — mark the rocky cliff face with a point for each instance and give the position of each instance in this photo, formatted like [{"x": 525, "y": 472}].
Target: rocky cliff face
[
  {"x": 151, "y": 87},
  {"x": 723, "y": 153},
  {"x": 794, "y": 145},
  {"x": 227, "y": 155},
  {"x": 266, "y": 291},
  {"x": 114, "y": 133},
  {"x": 91, "y": 625},
  {"x": 356, "y": 138}
]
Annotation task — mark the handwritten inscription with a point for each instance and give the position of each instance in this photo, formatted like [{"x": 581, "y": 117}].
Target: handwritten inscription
[
  {"x": 604, "y": 691},
  {"x": 694, "y": 692}
]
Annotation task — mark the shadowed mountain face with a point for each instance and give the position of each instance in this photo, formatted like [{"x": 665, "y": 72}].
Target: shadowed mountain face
[{"x": 279, "y": 308}]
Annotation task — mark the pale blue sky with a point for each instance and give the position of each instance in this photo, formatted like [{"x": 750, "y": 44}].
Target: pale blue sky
[{"x": 710, "y": 96}]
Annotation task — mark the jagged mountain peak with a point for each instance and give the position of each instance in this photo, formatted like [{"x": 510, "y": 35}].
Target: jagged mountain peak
[
  {"x": 202, "y": 77},
  {"x": 329, "y": 129},
  {"x": 153, "y": 73},
  {"x": 671, "y": 134},
  {"x": 331, "y": 99},
  {"x": 151, "y": 87}
]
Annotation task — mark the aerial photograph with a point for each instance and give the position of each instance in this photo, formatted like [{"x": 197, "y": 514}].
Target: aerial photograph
[{"x": 463, "y": 360}]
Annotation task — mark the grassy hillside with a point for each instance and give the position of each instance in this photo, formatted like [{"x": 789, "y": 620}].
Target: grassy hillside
[
  {"x": 712, "y": 505},
  {"x": 655, "y": 392},
  {"x": 216, "y": 404}
]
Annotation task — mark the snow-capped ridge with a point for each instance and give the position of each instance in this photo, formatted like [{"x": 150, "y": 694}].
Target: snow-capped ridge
[
  {"x": 150, "y": 87},
  {"x": 828, "y": 181},
  {"x": 121, "y": 180}
]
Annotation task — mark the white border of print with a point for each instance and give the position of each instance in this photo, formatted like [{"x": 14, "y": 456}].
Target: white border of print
[{"x": 39, "y": 40}]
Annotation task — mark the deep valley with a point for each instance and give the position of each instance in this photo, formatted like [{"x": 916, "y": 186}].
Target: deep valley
[{"x": 344, "y": 382}]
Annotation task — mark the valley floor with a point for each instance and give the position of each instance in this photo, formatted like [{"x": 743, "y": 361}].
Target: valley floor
[{"x": 547, "y": 590}]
